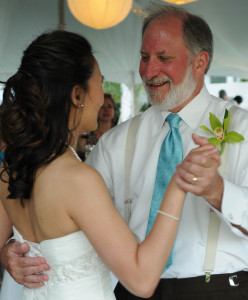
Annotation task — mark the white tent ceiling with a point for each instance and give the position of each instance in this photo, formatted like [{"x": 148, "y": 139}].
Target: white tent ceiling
[{"x": 117, "y": 48}]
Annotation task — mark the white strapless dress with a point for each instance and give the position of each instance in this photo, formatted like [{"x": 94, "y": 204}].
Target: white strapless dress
[{"x": 77, "y": 272}]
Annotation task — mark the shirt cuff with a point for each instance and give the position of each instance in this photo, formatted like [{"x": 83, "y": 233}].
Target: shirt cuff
[{"x": 235, "y": 204}]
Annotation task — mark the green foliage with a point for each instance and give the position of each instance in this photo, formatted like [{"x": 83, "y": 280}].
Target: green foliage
[
  {"x": 144, "y": 107},
  {"x": 114, "y": 89}
]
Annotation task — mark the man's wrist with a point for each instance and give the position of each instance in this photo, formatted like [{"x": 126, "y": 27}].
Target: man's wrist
[{"x": 215, "y": 196}]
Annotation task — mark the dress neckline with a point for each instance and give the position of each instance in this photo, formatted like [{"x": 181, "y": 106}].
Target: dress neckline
[{"x": 16, "y": 232}]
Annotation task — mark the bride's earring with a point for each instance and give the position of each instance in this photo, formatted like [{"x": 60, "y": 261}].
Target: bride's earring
[{"x": 80, "y": 105}]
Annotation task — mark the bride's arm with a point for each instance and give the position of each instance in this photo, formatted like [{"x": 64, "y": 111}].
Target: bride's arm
[{"x": 138, "y": 266}]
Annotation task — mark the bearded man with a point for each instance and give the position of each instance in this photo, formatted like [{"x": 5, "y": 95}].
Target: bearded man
[{"x": 176, "y": 53}]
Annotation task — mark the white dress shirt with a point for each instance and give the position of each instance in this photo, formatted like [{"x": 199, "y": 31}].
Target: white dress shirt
[{"x": 189, "y": 249}]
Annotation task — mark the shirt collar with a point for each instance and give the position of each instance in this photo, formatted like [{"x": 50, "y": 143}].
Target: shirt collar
[
  {"x": 156, "y": 116},
  {"x": 193, "y": 112}
]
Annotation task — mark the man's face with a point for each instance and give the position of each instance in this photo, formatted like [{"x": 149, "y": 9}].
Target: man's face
[{"x": 165, "y": 62}]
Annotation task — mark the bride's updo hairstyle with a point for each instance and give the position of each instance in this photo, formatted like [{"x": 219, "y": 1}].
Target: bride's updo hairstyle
[{"x": 36, "y": 104}]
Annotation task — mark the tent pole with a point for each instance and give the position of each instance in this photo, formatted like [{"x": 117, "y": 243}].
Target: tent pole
[
  {"x": 61, "y": 11},
  {"x": 133, "y": 94}
]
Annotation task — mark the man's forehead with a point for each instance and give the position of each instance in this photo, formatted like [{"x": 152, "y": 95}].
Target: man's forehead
[
  {"x": 161, "y": 52},
  {"x": 164, "y": 25}
]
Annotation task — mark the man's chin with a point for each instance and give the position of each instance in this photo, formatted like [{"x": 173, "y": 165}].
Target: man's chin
[{"x": 161, "y": 104}]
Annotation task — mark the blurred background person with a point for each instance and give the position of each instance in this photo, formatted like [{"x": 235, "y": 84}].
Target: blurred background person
[
  {"x": 238, "y": 99},
  {"x": 223, "y": 95},
  {"x": 106, "y": 120}
]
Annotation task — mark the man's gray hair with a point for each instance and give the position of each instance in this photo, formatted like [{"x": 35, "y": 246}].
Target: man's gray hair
[{"x": 196, "y": 32}]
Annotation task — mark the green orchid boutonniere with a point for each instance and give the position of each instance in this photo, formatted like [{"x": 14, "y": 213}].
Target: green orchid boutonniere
[{"x": 220, "y": 134}]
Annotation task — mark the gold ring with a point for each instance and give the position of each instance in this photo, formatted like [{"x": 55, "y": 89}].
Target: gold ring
[{"x": 194, "y": 180}]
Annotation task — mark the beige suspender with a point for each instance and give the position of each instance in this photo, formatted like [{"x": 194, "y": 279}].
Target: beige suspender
[
  {"x": 129, "y": 151},
  {"x": 214, "y": 220},
  {"x": 212, "y": 240}
]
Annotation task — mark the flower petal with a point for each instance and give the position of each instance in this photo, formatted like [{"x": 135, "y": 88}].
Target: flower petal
[
  {"x": 233, "y": 137},
  {"x": 206, "y": 129},
  {"x": 226, "y": 122},
  {"x": 214, "y": 121},
  {"x": 219, "y": 133},
  {"x": 214, "y": 141}
]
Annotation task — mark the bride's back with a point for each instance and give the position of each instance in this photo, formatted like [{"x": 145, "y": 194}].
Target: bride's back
[{"x": 45, "y": 215}]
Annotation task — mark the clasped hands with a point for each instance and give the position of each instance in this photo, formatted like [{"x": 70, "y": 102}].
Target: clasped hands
[{"x": 198, "y": 172}]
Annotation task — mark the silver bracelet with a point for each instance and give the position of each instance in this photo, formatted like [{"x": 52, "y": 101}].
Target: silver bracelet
[
  {"x": 165, "y": 214},
  {"x": 10, "y": 241}
]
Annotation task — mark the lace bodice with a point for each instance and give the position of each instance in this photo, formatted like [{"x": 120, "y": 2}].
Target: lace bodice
[{"x": 77, "y": 272}]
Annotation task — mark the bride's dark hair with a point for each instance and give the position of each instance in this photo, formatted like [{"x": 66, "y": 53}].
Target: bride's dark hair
[{"x": 36, "y": 104}]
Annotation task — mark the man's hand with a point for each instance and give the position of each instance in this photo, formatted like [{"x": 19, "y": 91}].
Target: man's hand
[
  {"x": 21, "y": 268},
  {"x": 198, "y": 172}
]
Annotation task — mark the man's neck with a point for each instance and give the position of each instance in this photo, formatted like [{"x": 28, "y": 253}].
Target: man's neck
[{"x": 195, "y": 93}]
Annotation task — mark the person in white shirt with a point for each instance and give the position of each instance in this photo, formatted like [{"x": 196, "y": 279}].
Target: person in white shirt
[{"x": 176, "y": 53}]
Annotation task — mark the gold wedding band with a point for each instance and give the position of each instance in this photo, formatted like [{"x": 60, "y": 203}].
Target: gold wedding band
[{"x": 194, "y": 180}]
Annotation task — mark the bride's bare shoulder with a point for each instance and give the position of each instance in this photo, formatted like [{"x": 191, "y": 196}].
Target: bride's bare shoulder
[
  {"x": 71, "y": 173},
  {"x": 88, "y": 174}
]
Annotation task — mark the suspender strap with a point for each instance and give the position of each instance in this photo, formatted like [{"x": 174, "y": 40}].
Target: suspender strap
[
  {"x": 213, "y": 234},
  {"x": 214, "y": 220},
  {"x": 129, "y": 152}
]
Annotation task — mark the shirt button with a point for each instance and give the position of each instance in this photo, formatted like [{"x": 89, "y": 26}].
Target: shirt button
[{"x": 230, "y": 216}]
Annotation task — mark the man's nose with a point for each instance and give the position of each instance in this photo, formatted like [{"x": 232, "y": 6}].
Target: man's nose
[{"x": 151, "y": 69}]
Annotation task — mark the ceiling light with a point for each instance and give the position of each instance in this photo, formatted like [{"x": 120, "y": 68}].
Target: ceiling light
[{"x": 100, "y": 14}]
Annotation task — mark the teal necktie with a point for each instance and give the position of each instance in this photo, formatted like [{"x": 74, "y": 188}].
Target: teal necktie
[{"x": 170, "y": 155}]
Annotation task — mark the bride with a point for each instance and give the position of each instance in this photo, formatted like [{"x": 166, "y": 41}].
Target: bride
[{"x": 59, "y": 205}]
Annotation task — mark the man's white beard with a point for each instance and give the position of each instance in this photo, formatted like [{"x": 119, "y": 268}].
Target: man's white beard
[{"x": 177, "y": 95}]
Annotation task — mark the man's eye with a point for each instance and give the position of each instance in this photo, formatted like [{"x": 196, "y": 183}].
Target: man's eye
[
  {"x": 163, "y": 58},
  {"x": 144, "y": 58}
]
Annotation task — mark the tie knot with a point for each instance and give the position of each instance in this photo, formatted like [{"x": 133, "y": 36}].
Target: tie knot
[{"x": 173, "y": 120}]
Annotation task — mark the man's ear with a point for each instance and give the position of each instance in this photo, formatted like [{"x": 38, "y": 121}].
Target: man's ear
[
  {"x": 200, "y": 63},
  {"x": 77, "y": 96}
]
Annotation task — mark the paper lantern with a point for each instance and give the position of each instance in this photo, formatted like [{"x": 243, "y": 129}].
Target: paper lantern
[
  {"x": 179, "y": 2},
  {"x": 100, "y": 14}
]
